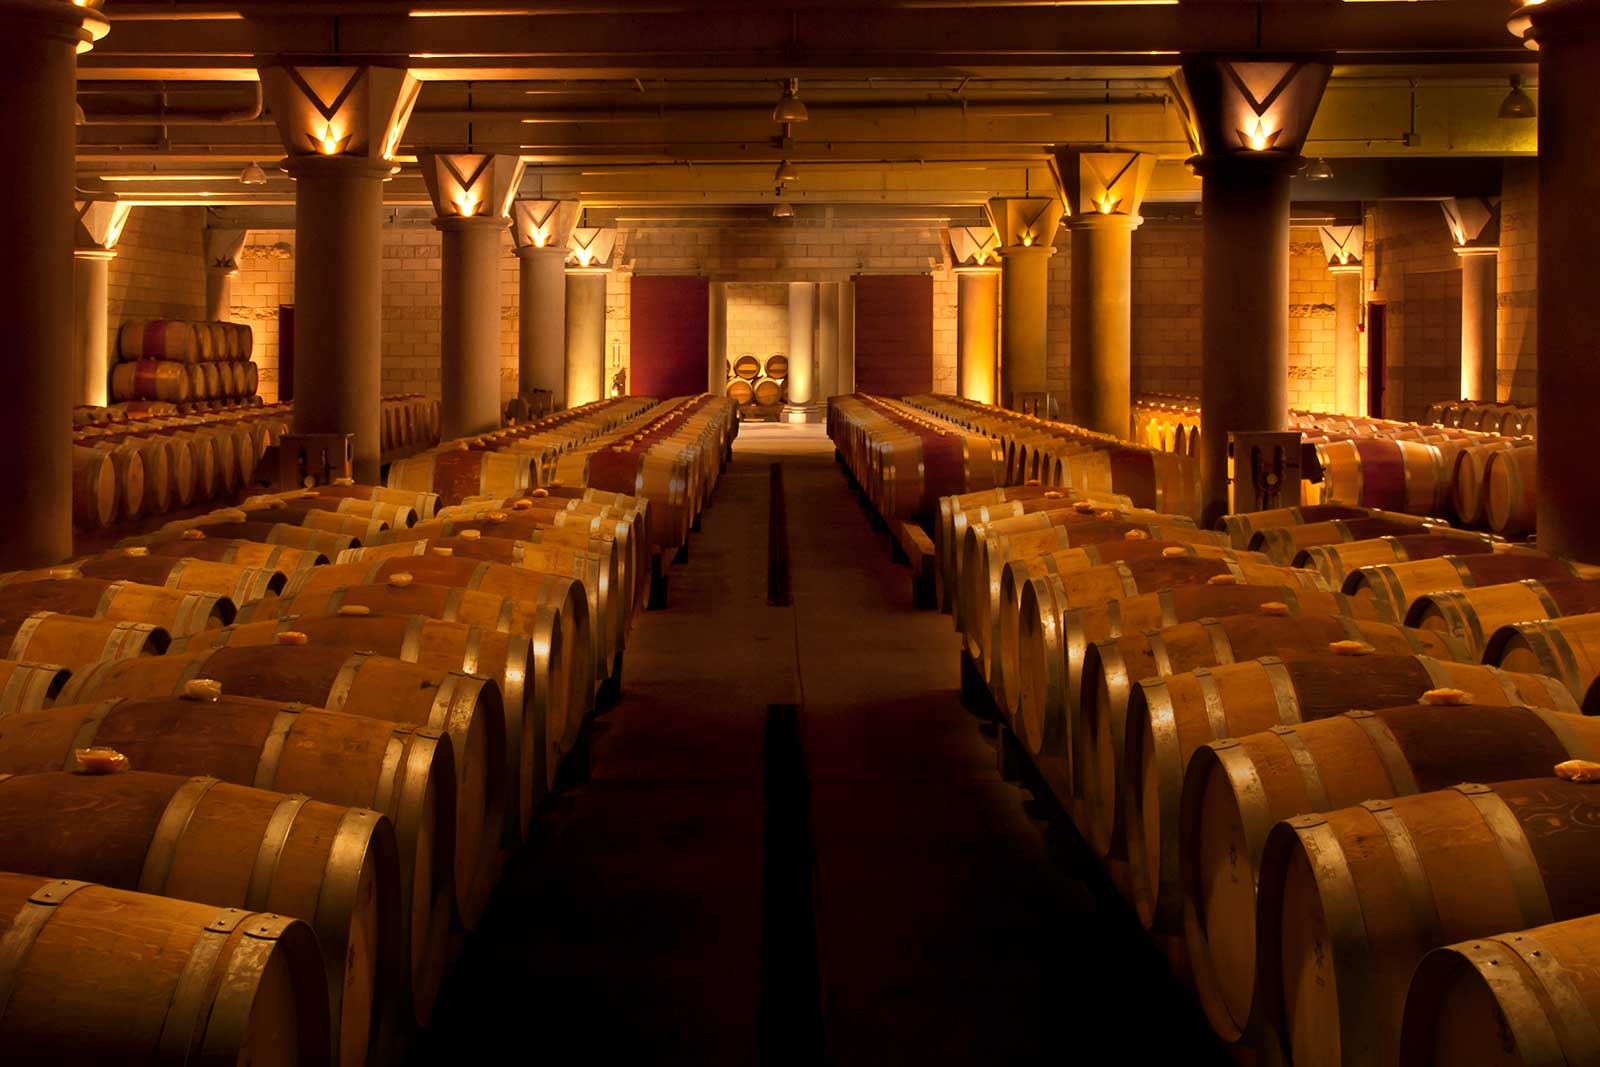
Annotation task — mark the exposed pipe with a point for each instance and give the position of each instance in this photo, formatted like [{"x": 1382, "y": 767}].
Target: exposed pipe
[
  {"x": 250, "y": 116},
  {"x": 861, "y": 109}
]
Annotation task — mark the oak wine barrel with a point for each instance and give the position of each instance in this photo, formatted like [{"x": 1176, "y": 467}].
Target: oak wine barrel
[
  {"x": 1335, "y": 562},
  {"x": 1475, "y": 614},
  {"x": 1284, "y": 543},
  {"x": 1398, "y": 585},
  {"x": 1241, "y": 527},
  {"x": 158, "y": 339},
  {"x": 94, "y": 489},
  {"x": 239, "y": 584},
  {"x": 179, "y": 612},
  {"x": 74, "y": 641},
  {"x": 747, "y": 367},
  {"x": 29, "y": 686},
  {"x": 1567, "y": 648},
  {"x": 1511, "y": 499}
]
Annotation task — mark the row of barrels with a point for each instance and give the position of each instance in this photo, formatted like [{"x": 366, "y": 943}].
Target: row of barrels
[
  {"x": 183, "y": 383},
  {"x": 763, "y": 392},
  {"x": 408, "y": 423},
  {"x": 749, "y": 367},
  {"x": 184, "y": 341},
  {"x": 1270, "y": 757},
  {"x": 905, "y": 461},
  {"x": 128, "y": 411},
  {"x": 1512, "y": 420},
  {"x": 128, "y": 469},
  {"x": 1169, "y": 422},
  {"x": 351, "y": 745}
]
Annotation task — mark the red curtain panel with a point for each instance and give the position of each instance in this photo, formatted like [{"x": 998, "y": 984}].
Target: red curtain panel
[
  {"x": 668, "y": 335},
  {"x": 894, "y": 334}
]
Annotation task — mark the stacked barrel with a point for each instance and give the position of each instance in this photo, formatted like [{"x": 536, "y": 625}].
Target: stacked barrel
[
  {"x": 1511, "y": 420},
  {"x": 176, "y": 361},
  {"x": 342, "y": 705},
  {"x": 1326, "y": 752},
  {"x": 756, "y": 385},
  {"x": 409, "y": 423},
  {"x": 138, "y": 462}
]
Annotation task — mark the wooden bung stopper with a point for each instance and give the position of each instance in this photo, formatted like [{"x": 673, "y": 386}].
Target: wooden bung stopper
[
  {"x": 1173, "y": 552},
  {"x": 100, "y": 761},
  {"x": 1446, "y": 697},
  {"x": 208, "y": 690},
  {"x": 193, "y": 535},
  {"x": 1350, "y": 648},
  {"x": 1223, "y": 579},
  {"x": 401, "y": 580},
  {"x": 1578, "y": 770},
  {"x": 1275, "y": 608},
  {"x": 354, "y": 609},
  {"x": 293, "y": 637}
]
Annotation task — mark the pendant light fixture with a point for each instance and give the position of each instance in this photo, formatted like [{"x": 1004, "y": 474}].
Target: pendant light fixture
[
  {"x": 1518, "y": 104},
  {"x": 789, "y": 109}
]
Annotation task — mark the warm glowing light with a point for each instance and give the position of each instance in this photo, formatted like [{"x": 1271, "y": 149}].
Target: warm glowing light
[
  {"x": 466, "y": 204},
  {"x": 1344, "y": 257},
  {"x": 540, "y": 238},
  {"x": 1027, "y": 240},
  {"x": 1259, "y": 139},
  {"x": 1107, "y": 204},
  {"x": 585, "y": 256},
  {"x": 329, "y": 143}
]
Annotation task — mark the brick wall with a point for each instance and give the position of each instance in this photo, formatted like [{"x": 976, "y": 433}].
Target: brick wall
[
  {"x": 159, "y": 272},
  {"x": 1311, "y": 337},
  {"x": 264, "y": 282},
  {"x": 758, "y": 320},
  {"x": 1414, "y": 270},
  {"x": 1518, "y": 280},
  {"x": 1166, "y": 307}
]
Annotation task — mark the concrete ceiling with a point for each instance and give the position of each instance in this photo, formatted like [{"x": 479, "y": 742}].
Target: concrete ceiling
[{"x": 933, "y": 103}]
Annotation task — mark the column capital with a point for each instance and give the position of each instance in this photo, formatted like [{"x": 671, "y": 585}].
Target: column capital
[
  {"x": 540, "y": 224},
  {"x": 1024, "y": 221},
  {"x": 591, "y": 248},
  {"x": 81, "y": 23},
  {"x": 1256, "y": 108},
  {"x": 94, "y": 253},
  {"x": 1103, "y": 183},
  {"x": 1474, "y": 223},
  {"x": 973, "y": 246},
  {"x": 222, "y": 249},
  {"x": 338, "y": 166},
  {"x": 1343, "y": 246},
  {"x": 100, "y": 219},
  {"x": 1542, "y": 19},
  {"x": 347, "y": 111},
  {"x": 468, "y": 185}
]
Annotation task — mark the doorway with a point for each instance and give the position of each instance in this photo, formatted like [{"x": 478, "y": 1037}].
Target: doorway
[{"x": 1377, "y": 358}]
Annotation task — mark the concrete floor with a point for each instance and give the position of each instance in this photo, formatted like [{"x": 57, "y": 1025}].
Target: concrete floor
[{"x": 949, "y": 927}]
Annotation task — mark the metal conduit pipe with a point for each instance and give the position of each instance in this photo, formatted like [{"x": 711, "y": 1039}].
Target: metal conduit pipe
[{"x": 250, "y": 116}]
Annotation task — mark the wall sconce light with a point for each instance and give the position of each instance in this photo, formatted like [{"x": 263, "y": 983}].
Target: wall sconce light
[
  {"x": 330, "y": 143},
  {"x": 466, "y": 204},
  {"x": 1518, "y": 104},
  {"x": 1259, "y": 139},
  {"x": 1107, "y": 204},
  {"x": 1027, "y": 239}
]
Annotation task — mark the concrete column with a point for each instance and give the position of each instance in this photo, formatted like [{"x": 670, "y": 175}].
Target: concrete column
[
  {"x": 1347, "y": 298},
  {"x": 38, "y": 43},
  {"x": 1024, "y": 303},
  {"x": 803, "y": 404},
  {"x": 338, "y": 315},
  {"x": 91, "y": 348},
  {"x": 1244, "y": 375},
  {"x": 469, "y": 325},
  {"x": 542, "y": 321},
  {"x": 847, "y": 336},
  {"x": 977, "y": 332},
  {"x": 586, "y": 337},
  {"x": 219, "y": 293},
  {"x": 827, "y": 340},
  {"x": 1102, "y": 325},
  {"x": 1479, "y": 346},
  {"x": 1568, "y": 34},
  {"x": 717, "y": 338}
]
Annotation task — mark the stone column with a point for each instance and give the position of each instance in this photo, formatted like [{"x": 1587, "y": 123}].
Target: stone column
[
  {"x": 1025, "y": 229},
  {"x": 717, "y": 338},
  {"x": 1250, "y": 120},
  {"x": 977, "y": 332},
  {"x": 38, "y": 44},
  {"x": 847, "y": 336},
  {"x": 340, "y": 125},
  {"x": 803, "y": 405},
  {"x": 1343, "y": 245},
  {"x": 1475, "y": 224},
  {"x": 91, "y": 348},
  {"x": 827, "y": 341},
  {"x": 1104, "y": 191},
  {"x": 222, "y": 263},
  {"x": 586, "y": 336},
  {"x": 541, "y": 229},
  {"x": 471, "y": 195},
  {"x": 1567, "y": 33}
]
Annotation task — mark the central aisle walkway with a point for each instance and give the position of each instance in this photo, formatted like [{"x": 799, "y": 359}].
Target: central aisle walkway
[{"x": 949, "y": 929}]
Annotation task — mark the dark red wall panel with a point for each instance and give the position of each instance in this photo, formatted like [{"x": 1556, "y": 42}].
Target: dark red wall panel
[
  {"x": 894, "y": 334},
  {"x": 668, "y": 335}
]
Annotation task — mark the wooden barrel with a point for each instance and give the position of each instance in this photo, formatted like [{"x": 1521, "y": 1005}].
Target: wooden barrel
[
  {"x": 1398, "y": 585},
  {"x": 452, "y": 604},
  {"x": 407, "y": 773},
  {"x": 767, "y": 391},
  {"x": 1284, "y": 543},
  {"x": 1352, "y": 899},
  {"x": 1473, "y": 615},
  {"x": 94, "y": 489},
  {"x": 157, "y": 339},
  {"x": 422, "y": 504},
  {"x": 246, "y": 339},
  {"x": 179, "y": 612},
  {"x": 128, "y": 463},
  {"x": 252, "y": 379},
  {"x": 99, "y": 975},
  {"x": 239, "y": 584},
  {"x": 1566, "y": 648},
  {"x": 164, "y": 458},
  {"x": 469, "y": 709},
  {"x": 454, "y": 474},
  {"x": 1522, "y": 997},
  {"x": 1469, "y": 484},
  {"x": 1053, "y": 641},
  {"x": 1377, "y": 472},
  {"x": 270, "y": 533},
  {"x": 747, "y": 367},
  {"x": 1167, "y": 718},
  {"x": 1235, "y": 790},
  {"x": 1511, "y": 504},
  {"x": 1242, "y": 527},
  {"x": 739, "y": 391},
  {"x": 542, "y": 679},
  {"x": 1335, "y": 562},
  {"x": 229, "y": 846},
  {"x": 74, "y": 641},
  {"x": 248, "y": 554},
  {"x": 29, "y": 686},
  {"x": 778, "y": 366},
  {"x": 1097, "y": 585}
]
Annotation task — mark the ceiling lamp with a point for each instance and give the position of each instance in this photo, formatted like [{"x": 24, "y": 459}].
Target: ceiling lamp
[
  {"x": 1319, "y": 171},
  {"x": 785, "y": 173},
  {"x": 252, "y": 175},
  {"x": 1517, "y": 104},
  {"x": 789, "y": 108},
  {"x": 783, "y": 211}
]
